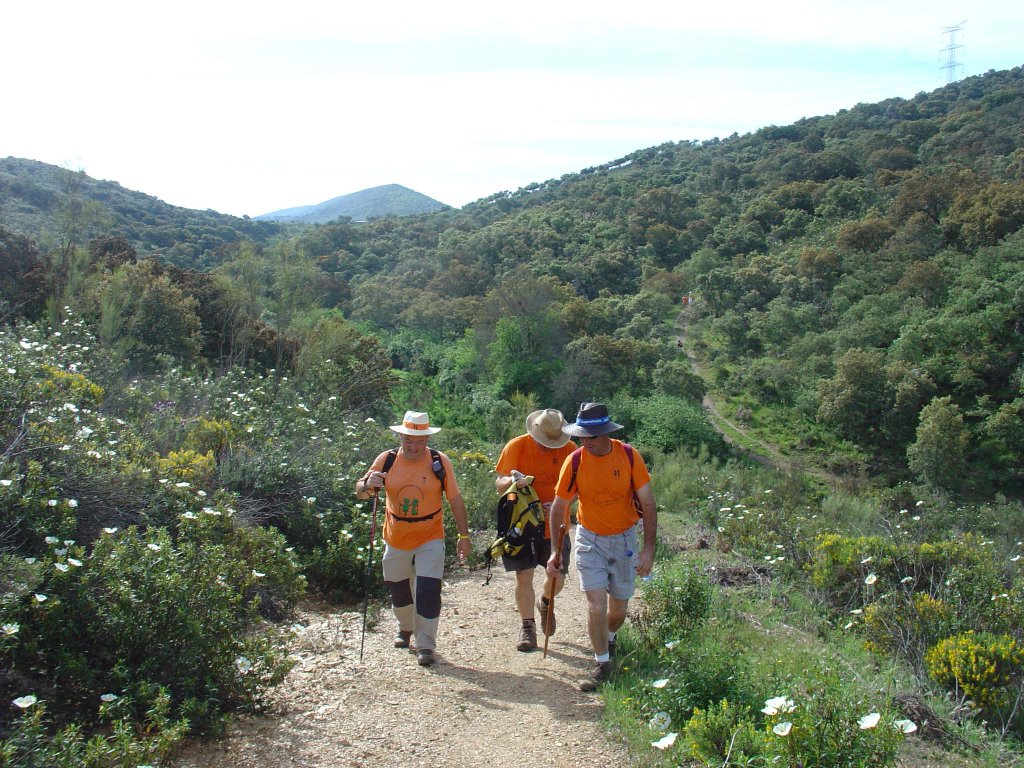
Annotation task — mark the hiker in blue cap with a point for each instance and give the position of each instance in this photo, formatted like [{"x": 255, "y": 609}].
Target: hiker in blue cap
[{"x": 613, "y": 486}]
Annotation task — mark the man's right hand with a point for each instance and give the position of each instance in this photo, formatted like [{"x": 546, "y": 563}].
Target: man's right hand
[
  {"x": 374, "y": 480},
  {"x": 553, "y": 568}
]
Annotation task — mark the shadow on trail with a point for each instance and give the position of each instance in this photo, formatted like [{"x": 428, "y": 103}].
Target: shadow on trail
[{"x": 548, "y": 686}]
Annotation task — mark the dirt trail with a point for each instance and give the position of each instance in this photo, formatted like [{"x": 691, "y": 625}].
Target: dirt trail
[{"x": 471, "y": 709}]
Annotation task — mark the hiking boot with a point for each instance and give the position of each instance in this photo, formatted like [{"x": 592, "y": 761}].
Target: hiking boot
[
  {"x": 402, "y": 638},
  {"x": 425, "y": 657},
  {"x": 547, "y": 623},
  {"x": 611, "y": 649},
  {"x": 602, "y": 671},
  {"x": 527, "y": 637}
]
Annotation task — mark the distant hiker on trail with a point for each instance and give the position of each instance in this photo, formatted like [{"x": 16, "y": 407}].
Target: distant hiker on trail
[
  {"x": 609, "y": 477},
  {"x": 414, "y": 478},
  {"x": 537, "y": 455}
]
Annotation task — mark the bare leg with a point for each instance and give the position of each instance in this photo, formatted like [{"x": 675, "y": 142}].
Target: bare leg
[
  {"x": 616, "y": 613},
  {"x": 597, "y": 620},
  {"x": 553, "y": 586},
  {"x": 525, "y": 594}
]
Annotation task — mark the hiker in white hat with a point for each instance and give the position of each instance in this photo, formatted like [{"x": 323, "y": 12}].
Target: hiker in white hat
[
  {"x": 414, "y": 478},
  {"x": 536, "y": 456}
]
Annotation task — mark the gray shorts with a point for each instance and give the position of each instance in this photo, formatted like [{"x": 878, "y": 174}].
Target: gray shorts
[
  {"x": 426, "y": 560},
  {"x": 607, "y": 562}
]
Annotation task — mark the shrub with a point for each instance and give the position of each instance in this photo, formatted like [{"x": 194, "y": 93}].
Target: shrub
[
  {"x": 827, "y": 727},
  {"x": 986, "y": 669},
  {"x": 723, "y": 734},
  {"x": 31, "y": 741},
  {"x": 907, "y": 625},
  {"x": 677, "y": 600},
  {"x": 697, "y": 674},
  {"x": 140, "y": 615}
]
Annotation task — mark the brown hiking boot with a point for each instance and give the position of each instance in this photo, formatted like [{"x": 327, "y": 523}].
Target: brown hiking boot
[
  {"x": 527, "y": 637},
  {"x": 601, "y": 673},
  {"x": 402, "y": 638},
  {"x": 547, "y": 623},
  {"x": 425, "y": 657}
]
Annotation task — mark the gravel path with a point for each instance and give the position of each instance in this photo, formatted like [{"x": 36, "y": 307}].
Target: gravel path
[{"x": 472, "y": 708}]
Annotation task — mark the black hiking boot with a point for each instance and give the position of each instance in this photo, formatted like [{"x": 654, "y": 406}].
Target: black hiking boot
[
  {"x": 425, "y": 657},
  {"x": 602, "y": 671},
  {"x": 611, "y": 649}
]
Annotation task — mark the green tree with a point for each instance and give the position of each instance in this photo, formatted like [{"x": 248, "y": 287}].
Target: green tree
[
  {"x": 939, "y": 455},
  {"x": 143, "y": 315}
]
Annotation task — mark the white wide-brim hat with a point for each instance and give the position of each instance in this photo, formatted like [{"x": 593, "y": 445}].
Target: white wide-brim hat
[{"x": 415, "y": 423}]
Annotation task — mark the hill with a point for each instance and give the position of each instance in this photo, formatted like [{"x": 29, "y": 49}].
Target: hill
[
  {"x": 386, "y": 200},
  {"x": 47, "y": 203}
]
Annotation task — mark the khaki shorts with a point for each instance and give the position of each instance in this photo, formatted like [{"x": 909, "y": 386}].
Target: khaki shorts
[{"x": 607, "y": 562}]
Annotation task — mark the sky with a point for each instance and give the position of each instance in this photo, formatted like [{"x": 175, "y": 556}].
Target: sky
[{"x": 247, "y": 108}]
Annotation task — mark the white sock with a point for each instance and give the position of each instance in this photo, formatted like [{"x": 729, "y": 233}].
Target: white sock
[
  {"x": 611, "y": 637},
  {"x": 601, "y": 657}
]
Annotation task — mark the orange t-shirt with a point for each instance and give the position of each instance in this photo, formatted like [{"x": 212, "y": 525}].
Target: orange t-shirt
[
  {"x": 605, "y": 495},
  {"x": 531, "y": 458},
  {"x": 413, "y": 491}
]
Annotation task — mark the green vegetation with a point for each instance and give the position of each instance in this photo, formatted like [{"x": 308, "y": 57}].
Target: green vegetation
[{"x": 186, "y": 401}]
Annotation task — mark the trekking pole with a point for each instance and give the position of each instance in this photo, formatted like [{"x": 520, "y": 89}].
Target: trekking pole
[
  {"x": 369, "y": 571},
  {"x": 551, "y": 600}
]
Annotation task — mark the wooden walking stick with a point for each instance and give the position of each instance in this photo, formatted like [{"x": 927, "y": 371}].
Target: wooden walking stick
[
  {"x": 369, "y": 571},
  {"x": 551, "y": 600}
]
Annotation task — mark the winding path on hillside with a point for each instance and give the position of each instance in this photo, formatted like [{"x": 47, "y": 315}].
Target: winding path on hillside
[
  {"x": 483, "y": 703},
  {"x": 753, "y": 447}
]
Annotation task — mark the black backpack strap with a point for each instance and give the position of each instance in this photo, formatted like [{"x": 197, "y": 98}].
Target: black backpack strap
[
  {"x": 438, "y": 467},
  {"x": 389, "y": 460}
]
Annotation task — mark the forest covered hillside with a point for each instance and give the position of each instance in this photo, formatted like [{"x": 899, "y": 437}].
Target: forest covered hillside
[
  {"x": 855, "y": 277},
  {"x": 50, "y": 204}
]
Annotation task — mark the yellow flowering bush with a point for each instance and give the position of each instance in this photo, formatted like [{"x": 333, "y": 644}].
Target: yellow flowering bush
[
  {"x": 59, "y": 384},
  {"x": 187, "y": 466},
  {"x": 985, "y": 668},
  {"x": 211, "y": 435}
]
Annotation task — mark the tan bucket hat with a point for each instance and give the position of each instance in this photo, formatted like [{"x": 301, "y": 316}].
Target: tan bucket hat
[{"x": 545, "y": 427}]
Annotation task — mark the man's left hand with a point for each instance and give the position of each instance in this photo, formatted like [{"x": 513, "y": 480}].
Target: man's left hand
[{"x": 645, "y": 564}]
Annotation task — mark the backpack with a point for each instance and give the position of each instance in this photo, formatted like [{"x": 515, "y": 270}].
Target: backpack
[
  {"x": 577, "y": 456},
  {"x": 520, "y": 518}
]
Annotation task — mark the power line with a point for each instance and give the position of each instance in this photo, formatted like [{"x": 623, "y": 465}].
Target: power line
[{"x": 952, "y": 66}]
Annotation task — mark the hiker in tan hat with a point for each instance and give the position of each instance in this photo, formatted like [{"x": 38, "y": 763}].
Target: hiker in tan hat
[
  {"x": 414, "y": 478},
  {"x": 535, "y": 458}
]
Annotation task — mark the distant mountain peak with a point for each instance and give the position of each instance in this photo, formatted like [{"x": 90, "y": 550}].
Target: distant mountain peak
[{"x": 385, "y": 200}]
